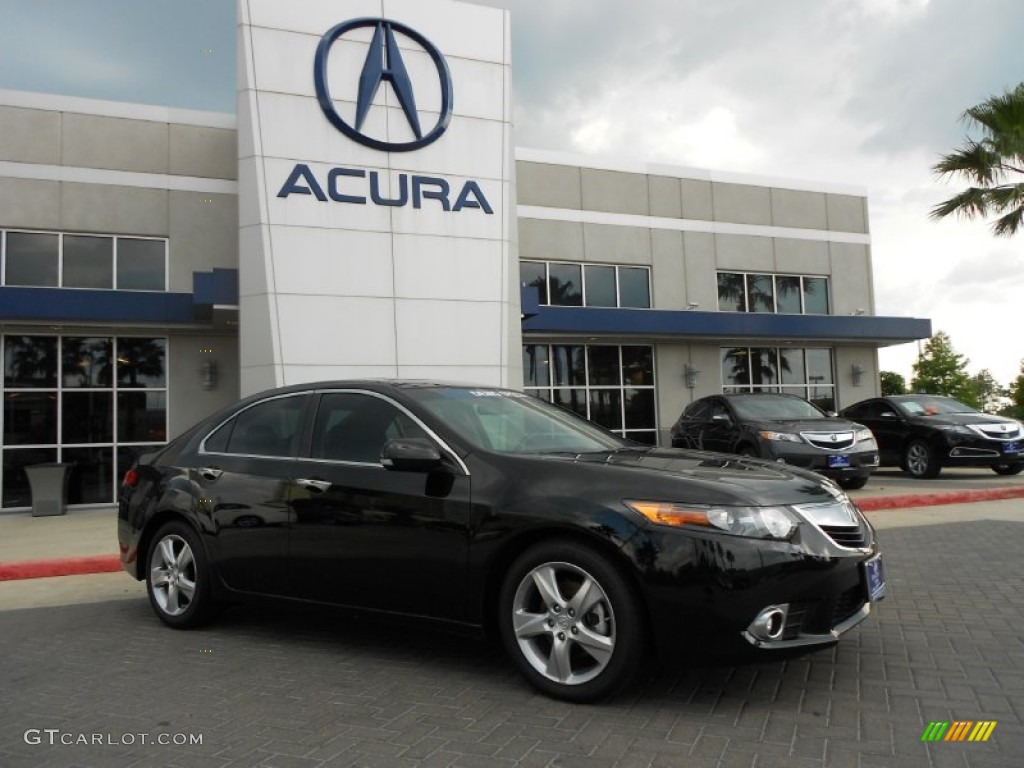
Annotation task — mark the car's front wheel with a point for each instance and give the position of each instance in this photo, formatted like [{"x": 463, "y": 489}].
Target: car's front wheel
[
  {"x": 178, "y": 577},
  {"x": 1008, "y": 469},
  {"x": 920, "y": 461},
  {"x": 571, "y": 622}
]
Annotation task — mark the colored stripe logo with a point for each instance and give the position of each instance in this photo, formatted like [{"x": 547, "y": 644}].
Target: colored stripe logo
[{"x": 959, "y": 730}]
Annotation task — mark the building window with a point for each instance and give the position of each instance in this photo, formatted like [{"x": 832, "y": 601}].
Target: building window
[
  {"x": 570, "y": 284},
  {"x": 60, "y": 260},
  {"x": 609, "y": 384},
  {"x": 778, "y": 294},
  {"x": 94, "y": 402},
  {"x": 807, "y": 373}
]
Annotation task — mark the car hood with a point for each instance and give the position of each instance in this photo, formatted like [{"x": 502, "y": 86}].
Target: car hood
[
  {"x": 962, "y": 419},
  {"x": 804, "y": 425},
  {"x": 702, "y": 477}
]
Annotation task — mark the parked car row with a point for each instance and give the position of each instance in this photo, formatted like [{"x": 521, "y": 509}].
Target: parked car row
[{"x": 921, "y": 434}]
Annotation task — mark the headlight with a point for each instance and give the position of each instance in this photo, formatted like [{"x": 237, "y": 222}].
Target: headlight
[
  {"x": 784, "y": 437},
  {"x": 863, "y": 434},
  {"x": 755, "y": 522},
  {"x": 955, "y": 429}
]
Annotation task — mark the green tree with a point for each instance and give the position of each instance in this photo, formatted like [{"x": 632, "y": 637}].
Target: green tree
[
  {"x": 993, "y": 165},
  {"x": 988, "y": 390},
  {"x": 892, "y": 383},
  {"x": 1016, "y": 393},
  {"x": 941, "y": 370}
]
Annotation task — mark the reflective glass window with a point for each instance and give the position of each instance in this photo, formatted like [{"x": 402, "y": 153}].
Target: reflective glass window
[
  {"x": 87, "y": 362},
  {"x": 30, "y": 418},
  {"x": 353, "y": 427},
  {"x": 90, "y": 478},
  {"x": 141, "y": 362},
  {"x": 88, "y": 417},
  {"x": 534, "y": 274},
  {"x": 736, "y": 366},
  {"x": 815, "y": 295},
  {"x": 32, "y": 259},
  {"x": 791, "y": 366},
  {"x": 639, "y": 408},
  {"x": 787, "y": 294},
  {"x": 565, "y": 285},
  {"x": 30, "y": 361},
  {"x": 141, "y": 416},
  {"x": 88, "y": 262},
  {"x": 732, "y": 292},
  {"x": 536, "y": 370},
  {"x": 572, "y": 399},
  {"x": 569, "y": 365},
  {"x": 141, "y": 264},
  {"x": 638, "y": 365},
  {"x": 604, "y": 366},
  {"x": 634, "y": 287},
  {"x": 600, "y": 286},
  {"x": 760, "y": 293},
  {"x": 606, "y": 407},
  {"x": 17, "y": 492}
]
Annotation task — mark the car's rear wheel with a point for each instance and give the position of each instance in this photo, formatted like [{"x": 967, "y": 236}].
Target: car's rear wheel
[
  {"x": 919, "y": 460},
  {"x": 571, "y": 622},
  {"x": 852, "y": 483},
  {"x": 1008, "y": 469},
  {"x": 178, "y": 578}
]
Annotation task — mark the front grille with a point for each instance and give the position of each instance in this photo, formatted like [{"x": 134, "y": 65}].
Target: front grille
[
  {"x": 848, "y": 603},
  {"x": 795, "y": 618},
  {"x": 997, "y": 431},
  {"x": 852, "y": 536},
  {"x": 829, "y": 441}
]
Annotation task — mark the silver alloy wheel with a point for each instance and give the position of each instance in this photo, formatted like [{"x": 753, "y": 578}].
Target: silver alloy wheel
[
  {"x": 917, "y": 459},
  {"x": 564, "y": 623},
  {"x": 172, "y": 575}
]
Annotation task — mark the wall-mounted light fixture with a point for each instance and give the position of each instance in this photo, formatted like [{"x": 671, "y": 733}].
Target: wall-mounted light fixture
[
  {"x": 208, "y": 371},
  {"x": 857, "y": 374},
  {"x": 690, "y": 374}
]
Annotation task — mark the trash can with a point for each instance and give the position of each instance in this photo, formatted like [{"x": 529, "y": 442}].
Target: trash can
[{"x": 49, "y": 486}]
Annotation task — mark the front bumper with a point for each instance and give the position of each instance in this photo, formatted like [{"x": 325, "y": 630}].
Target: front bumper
[
  {"x": 704, "y": 590},
  {"x": 861, "y": 463}
]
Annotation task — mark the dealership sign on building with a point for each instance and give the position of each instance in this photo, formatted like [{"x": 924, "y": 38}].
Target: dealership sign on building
[{"x": 376, "y": 192}]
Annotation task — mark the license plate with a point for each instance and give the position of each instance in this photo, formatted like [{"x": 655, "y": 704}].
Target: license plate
[
  {"x": 836, "y": 462},
  {"x": 1013, "y": 447},
  {"x": 874, "y": 575}
]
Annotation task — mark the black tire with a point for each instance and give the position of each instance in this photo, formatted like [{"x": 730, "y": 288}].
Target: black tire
[
  {"x": 920, "y": 461},
  {"x": 852, "y": 483},
  {"x": 178, "y": 577},
  {"x": 575, "y": 655},
  {"x": 1008, "y": 469},
  {"x": 748, "y": 451}
]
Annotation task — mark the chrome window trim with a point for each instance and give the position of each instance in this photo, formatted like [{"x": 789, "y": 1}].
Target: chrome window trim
[
  {"x": 202, "y": 445},
  {"x": 419, "y": 422}
]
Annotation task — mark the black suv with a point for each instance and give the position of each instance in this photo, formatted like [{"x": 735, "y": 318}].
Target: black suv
[
  {"x": 924, "y": 433},
  {"x": 783, "y": 428}
]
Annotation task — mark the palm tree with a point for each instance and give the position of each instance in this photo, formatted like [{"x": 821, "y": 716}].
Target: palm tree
[{"x": 994, "y": 165}]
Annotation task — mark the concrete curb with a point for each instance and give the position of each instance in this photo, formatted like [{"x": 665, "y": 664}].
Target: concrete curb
[
  {"x": 935, "y": 499},
  {"x": 63, "y": 566},
  {"x": 77, "y": 566}
]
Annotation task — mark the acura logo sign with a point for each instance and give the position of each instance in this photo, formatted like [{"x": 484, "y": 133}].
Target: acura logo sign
[{"x": 384, "y": 63}]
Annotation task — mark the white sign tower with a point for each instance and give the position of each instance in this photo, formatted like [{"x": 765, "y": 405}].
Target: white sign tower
[{"x": 376, "y": 192}]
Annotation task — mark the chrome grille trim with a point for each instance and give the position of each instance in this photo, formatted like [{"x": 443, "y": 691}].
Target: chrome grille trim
[{"x": 830, "y": 441}]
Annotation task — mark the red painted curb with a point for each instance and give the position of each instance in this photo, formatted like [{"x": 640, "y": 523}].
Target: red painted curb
[
  {"x": 65, "y": 566},
  {"x": 935, "y": 499}
]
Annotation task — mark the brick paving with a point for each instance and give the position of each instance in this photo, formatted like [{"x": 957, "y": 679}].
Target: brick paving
[{"x": 290, "y": 689}]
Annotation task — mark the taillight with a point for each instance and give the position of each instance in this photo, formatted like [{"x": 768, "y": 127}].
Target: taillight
[{"x": 131, "y": 479}]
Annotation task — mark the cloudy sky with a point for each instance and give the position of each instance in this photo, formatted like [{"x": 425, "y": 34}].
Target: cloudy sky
[{"x": 857, "y": 92}]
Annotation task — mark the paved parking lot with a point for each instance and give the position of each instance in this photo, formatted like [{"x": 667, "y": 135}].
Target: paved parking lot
[{"x": 298, "y": 690}]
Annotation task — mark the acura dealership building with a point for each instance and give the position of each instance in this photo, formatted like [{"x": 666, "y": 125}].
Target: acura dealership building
[{"x": 366, "y": 213}]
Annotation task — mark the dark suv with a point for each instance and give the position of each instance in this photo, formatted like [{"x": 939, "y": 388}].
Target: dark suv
[
  {"x": 924, "y": 433},
  {"x": 782, "y": 428}
]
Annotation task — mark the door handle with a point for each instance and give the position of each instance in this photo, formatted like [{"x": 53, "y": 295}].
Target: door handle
[
  {"x": 210, "y": 473},
  {"x": 317, "y": 486}
]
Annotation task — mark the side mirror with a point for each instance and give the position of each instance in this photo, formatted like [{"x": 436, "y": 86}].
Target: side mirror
[
  {"x": 722, "y": 417},
  {"x": 832, "y": 414},
  {"x": 888, "y": 415},
  {"x": 411, "y": 454}
]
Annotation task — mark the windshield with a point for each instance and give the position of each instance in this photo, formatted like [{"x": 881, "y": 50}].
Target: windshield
[
  {"x": 931, "y": 406},
  {"x": 511, "y": 422},
  {"x": 779, "y": 408}
]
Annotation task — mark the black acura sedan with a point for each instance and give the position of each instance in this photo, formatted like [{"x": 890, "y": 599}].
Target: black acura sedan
[
  {"x": 485, "y": 509},
  {"x": 782, "y": 428},
  {"x": 924, "y": 433}
]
